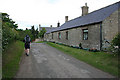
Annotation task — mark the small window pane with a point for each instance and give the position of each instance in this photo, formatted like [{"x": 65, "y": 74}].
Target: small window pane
[
  {"x": 85, "y": 30},
  {"x": 67, "y": 35},
  {"x": 85, "y": 34},
  {"x": 59, "y": 35},
  {"x": 52, "y": 35}
]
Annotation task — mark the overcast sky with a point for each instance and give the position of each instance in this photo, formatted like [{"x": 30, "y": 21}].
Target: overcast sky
[{"x": 47, "y": 12}]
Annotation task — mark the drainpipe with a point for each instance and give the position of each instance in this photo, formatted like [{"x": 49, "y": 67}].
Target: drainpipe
[{"x": 100, "y": 36}]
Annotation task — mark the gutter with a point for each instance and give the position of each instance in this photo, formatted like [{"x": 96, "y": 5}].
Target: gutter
[{"x": 77, "y": 26}]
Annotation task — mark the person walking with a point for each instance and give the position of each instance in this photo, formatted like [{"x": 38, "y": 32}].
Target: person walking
[{"x": 27, "y": 42}]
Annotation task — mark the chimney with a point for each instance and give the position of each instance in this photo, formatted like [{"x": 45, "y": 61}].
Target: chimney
[
  {"x": 51, "y": 26},
  {"x": 66, "y": 18},
  {"x": 85, "y": 9},
  {"x": 58, "y": 24}
]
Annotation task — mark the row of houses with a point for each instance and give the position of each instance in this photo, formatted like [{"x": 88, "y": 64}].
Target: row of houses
[{"x": 91, "y": 30}]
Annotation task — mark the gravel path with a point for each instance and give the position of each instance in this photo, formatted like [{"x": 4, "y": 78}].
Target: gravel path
[{"x": 46, "y": 62}]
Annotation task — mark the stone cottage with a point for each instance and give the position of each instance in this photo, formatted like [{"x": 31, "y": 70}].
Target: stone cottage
[
  {"x": 47, "y": 28},
  {"x": 92, "y": 30}
]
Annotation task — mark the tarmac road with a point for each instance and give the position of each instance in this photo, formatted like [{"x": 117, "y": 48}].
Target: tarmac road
[{"x": 46, "y": 62}]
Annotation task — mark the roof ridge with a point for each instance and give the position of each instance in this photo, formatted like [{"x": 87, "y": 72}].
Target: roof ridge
[
  {"x": 92, "y": 17},
  {"x": 95, "y": 11},
  {"x": 104, "y": 7}
]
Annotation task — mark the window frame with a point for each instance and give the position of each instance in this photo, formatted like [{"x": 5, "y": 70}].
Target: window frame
[
  {"x": 59, "y": 35},
  {"x": 52, "y": 35},
  {"x": 66, "y": 35},
  {"x": 85, "y": 34}
]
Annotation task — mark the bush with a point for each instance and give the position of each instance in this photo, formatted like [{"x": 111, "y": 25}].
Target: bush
[
  {"x": 80, "y": 45},
  {"x": 23, "y": 33},
  {"x": 9, "y": 35},
  {"x": 115, "y": 44},
  {"x": 10, "y": 32}
]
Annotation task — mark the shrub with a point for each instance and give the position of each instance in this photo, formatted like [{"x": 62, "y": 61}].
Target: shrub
[
  {"x": 9, "y": 32},
  {"x": 80, "y": 45},
  {"x": 9, "y": 35},
  {"x": 115, "y": 44}
]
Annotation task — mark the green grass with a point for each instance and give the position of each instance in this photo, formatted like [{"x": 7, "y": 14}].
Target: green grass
[
  {"x": 39, "y": 42},
  {"x": 11, "y": 58},
  {"x": 101, "y": 60}
]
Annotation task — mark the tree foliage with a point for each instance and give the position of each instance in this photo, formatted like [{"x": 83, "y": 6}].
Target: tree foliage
[
  {"x": 115, "y": 44},
  {"x": 8, "y": 21},
  {"x": 34, "y": 32},
  {"x": 116, "y": 40},
  {"x": 9, "y": 32},
  {"x": 42, "y": 32}
]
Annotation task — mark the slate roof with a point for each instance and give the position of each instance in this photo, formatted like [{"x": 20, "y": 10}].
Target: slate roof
[
  {"x": 93, "y": 17},
  {"x": 48, "y": 29}
]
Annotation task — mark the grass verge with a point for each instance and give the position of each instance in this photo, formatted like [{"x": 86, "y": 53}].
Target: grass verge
[
  {"x": 101, "y": 60},
  {"x": 11, "y": 58},
  {"x": 39, "y": 42}
]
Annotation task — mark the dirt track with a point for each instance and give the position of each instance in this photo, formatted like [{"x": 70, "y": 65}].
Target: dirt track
[{"x": 47, "y": 62}]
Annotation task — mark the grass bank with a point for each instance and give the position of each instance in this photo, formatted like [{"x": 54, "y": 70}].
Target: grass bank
[
  {"x": 39, "y": 42},
  {"x": 101, "y": 60},
  {"x": 11, "y": 58}
]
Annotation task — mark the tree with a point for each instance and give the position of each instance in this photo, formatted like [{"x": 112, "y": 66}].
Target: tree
[
  {"x": 5, "y": 17},
  {"x": 8, "y": 21},
  {"x": 36, "y": 33},
  {"x": 9, "y": 33},
  {"x": 15, "y": 26},
  {"x": 33, "y": 31},
  {"x": 42, "y": 32},
  {"x": 26, "y": 28}
]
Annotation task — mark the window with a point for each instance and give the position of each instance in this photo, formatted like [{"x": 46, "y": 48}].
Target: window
[
  {"x": 48, "y": 36},
  {"x": 67, "y": 35},
  {"x": 52, "y": 35},
  {"x": 85, "y": 34},
  {"x": 59, "y": 35}
]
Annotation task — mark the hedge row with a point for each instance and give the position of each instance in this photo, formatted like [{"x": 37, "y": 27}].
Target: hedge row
[
  {"x": 10, "y": 32},
  {"x": 8, "y": 35}
]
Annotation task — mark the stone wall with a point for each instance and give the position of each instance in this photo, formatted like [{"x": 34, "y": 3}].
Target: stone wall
[
  {"x": 93, "y": 37},
  {"x": 109, "y": 29},
  {"x": 75, "y": 37}
]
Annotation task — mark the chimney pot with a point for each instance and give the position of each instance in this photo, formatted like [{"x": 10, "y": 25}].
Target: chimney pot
[
  {"x": 85, "y": 9},
  {"x": 66, "y": 18},
  {"x": 58, "y": 24},
  {"x": 85, "y": 4},
  {"x": 50, "y": 25}
]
